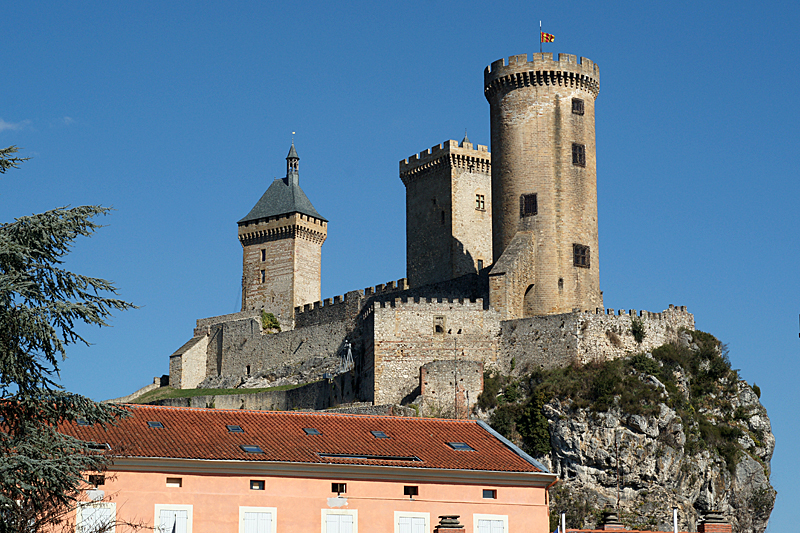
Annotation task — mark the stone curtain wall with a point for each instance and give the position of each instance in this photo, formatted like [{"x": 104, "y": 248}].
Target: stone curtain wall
[
  {"x": 405, "y": 339},
  {"x": 450, "y": 388},
  {"x": 584, "y": 337}
]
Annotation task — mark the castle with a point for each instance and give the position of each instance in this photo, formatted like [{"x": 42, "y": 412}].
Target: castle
[{"x": 502, "y": 265}]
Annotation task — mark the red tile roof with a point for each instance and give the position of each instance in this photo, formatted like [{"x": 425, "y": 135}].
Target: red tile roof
[{"x": 202, "y": 434}]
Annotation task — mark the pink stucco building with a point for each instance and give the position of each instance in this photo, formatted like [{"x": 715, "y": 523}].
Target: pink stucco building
[{"x": 210, "y": 470}]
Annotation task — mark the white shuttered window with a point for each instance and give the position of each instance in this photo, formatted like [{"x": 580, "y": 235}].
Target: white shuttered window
[
  {"x": 173, "y": 521},
  {"x": 411, "y": 524},
  {"x": 97, "y": 517}
]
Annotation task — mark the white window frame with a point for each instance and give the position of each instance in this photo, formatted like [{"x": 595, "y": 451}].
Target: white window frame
[
  {"x": 172, "y": 507},
  {"x": 412, "y": 514},
  {"x": 503, "y": 517},
  {"x": 352, "y": 512},
  {"x": 271, "y": 510},
  {"x": 84, "y": 505}
]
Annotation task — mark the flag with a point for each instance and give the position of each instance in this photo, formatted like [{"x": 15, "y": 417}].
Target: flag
[{"x": 548, "y": 37}]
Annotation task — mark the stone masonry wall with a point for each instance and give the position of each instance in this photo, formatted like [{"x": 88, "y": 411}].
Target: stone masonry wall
[
  {"x": 584, "y": 337},
  {"x": 450, "y": 388},
  {"x": 408, "y": 334}
]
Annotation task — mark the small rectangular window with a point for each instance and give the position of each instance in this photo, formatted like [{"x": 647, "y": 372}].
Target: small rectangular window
[
  {"x": 263, "y": 276},
  {"x": 235, "y": 429},
  {"x": 527, "y": 205},
  {"x": 256, "y": 484},
  {"x": 263, "y": 255},
  {"x": 577, "y": 106},
  {"x": 97, "y": 479},
  {"x": 251, "y": 448},
  {"x": 438, "y": 324},
  {"x": 379, "y": 434},
  {"x": 480, "y": 264},
  {"x": 411, "y": 490},
  {"x": 578, "y": 155},
  {"x": 480, "y": 202},
  {"x": 339, "y": 488},
  {"x": 461, "y": 446},
  {"x": 155, "y": 425},
  {"x": 312, "y": 431},
  {"x": 580, "y": 255},
  {"x": 489, "y": 494},
  {"x": 175, "y": 482},
  {"x": 80, "y": 421}
]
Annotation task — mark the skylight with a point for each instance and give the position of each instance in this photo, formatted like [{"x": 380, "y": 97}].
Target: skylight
[
  {"x": 156, "y": 425},
  {"x": 98, "y": 446},
  {"x": 251, "y": 448},
  {"x": 312, "y": 431},
  {"x": 83, "y": 422},
  {"x": 235, "y": 429},
  {"x": 379, "y": 434},
  {"x": 461, "y": 446}
]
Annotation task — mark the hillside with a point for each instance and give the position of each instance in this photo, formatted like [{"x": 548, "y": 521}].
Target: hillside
[{"x": 676, "y": 426}]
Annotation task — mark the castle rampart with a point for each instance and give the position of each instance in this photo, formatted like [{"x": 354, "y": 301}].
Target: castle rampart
[{"x": 542, "y": 70}]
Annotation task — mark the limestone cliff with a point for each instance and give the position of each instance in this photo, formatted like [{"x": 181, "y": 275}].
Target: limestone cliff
[{"x": 675, "y": 427}]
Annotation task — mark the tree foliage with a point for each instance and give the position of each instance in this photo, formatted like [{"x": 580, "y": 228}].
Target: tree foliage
[{"x": 41, "y": 470}]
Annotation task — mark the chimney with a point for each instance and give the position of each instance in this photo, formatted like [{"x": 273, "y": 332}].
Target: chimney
[
  {"x": 449, "y": 524},
  {"x": 714, "y": 522},
  {"x": 611, "y": 521}
]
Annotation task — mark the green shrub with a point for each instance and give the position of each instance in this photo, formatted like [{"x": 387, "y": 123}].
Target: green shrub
[
  {"x": 269, "y": 322},
  {"x": 757, "y": 390},
  {"x": 637, "y": 329}
]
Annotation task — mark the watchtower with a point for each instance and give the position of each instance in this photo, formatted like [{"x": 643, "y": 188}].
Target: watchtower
[
  {"x": 544, "y": 184},
  {"x": 282, "y": 239},
  {"x": 448, "y": 211}
]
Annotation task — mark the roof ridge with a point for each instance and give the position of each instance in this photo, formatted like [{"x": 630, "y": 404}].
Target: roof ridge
[{"x": 299, "y": 413}]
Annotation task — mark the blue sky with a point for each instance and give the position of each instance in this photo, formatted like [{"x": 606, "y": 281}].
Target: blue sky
[{"x": 179, "y": 116}]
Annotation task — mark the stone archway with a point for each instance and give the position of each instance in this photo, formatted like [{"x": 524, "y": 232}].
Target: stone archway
[{"x": 528, "y": 304}]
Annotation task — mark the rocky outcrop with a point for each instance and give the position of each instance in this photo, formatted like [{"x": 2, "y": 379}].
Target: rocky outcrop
[{"x": 645, "y": 461}]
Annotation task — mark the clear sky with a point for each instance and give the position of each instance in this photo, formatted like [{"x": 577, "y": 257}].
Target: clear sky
[{"x": 179, "y": 115}]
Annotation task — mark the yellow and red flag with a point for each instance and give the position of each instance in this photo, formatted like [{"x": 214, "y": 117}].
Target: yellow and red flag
[{"x": 547, "y": 37}]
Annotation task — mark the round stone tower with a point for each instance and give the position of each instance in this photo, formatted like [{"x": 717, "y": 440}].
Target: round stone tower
[{"x": 544, "y": 184}]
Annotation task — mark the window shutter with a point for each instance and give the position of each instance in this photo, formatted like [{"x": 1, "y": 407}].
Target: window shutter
[
  {"x": 173, "y": 521},
  {"x": 257, "y": 522}
]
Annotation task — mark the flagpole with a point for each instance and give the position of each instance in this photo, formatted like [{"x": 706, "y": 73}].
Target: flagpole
[{"x": 540, "y": 36}]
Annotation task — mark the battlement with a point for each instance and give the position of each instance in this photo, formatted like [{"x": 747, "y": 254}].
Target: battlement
[
  {"x": 672, "y": 311},
  {"x": 476, "y": 303},
  {"x": 542, "y": 69},
  {"x": 467, "y": 157},
  {"x": 447, "y": 147},
  {"x": 358, "y": 295}
]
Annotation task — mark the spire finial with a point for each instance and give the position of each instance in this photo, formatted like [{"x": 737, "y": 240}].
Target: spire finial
[
  {"x": 292, "y": 164},
  {"x": 466, "y": 139}
]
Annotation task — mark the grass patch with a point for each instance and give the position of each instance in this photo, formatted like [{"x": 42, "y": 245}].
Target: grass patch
[{"x": 165, "y": 393}]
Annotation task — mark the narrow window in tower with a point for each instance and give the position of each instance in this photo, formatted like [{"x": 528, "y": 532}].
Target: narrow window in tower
[
  {"x": 438, "y": 324},
  {"x": 527, "y": 205},
  {"x": 263, "y": 276},
  {"x": 578, "y": 155},
  {"x": 560, "y": 284},
  {"x": 577, "y": 106},
  {"x": 580, "y": 255},
  {"x": 480, "y": 264},
  {"x": 263, "y": 255},
  {"x": 480, "y": 203}
]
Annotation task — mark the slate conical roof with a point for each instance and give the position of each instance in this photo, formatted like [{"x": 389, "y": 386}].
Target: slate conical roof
[{"x": 283, "y": 197}]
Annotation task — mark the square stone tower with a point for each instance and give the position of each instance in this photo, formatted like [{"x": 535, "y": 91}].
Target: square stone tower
[
  {"x": 448, "y": 212},
  {"x": 282, "y": 238}
]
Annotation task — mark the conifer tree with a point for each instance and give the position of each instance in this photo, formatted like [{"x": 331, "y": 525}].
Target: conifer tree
[{"x": 41, "y": 470}]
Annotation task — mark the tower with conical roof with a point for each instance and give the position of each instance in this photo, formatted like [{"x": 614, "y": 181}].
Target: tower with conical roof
[{"x": 282, "y": 239}]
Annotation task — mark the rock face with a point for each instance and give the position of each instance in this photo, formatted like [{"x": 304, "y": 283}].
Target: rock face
[{"x": 645, "y": 461}]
